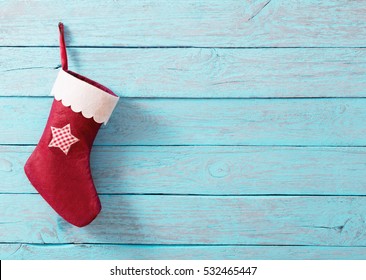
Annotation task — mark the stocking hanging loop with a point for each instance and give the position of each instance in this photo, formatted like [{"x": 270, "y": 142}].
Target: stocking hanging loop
[{"x": 62, "y": 47}]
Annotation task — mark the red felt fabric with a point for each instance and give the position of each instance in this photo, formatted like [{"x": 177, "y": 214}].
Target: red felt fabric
[
  {"x": 65, "y": 181},
  {"x": 63, "y": 52}
]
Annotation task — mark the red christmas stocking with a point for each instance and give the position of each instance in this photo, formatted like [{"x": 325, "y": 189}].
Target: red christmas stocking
[{"x": 59, "y": 166}]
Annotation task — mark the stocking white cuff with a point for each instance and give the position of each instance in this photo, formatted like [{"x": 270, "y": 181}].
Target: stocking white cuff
[{"x": 83, "y": 97}]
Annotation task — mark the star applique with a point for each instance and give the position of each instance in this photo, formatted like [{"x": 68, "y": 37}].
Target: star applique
[{"x": 62, "y": 138}]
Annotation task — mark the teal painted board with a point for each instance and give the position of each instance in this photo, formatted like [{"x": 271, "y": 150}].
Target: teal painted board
[
  {"x": 218, "y": 23},
  {"x": 305, "y": 122},
  {"x": 215, "y": 170},
  {"x": 192, "y": 73},
  {"x": 242, "y": 135},
  {"x": 182, "y": 219},
  {"x": 163, "y": 252}
]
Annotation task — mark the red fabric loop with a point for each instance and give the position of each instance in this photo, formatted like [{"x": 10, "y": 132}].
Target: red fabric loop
[{"x": 63, "y": 47}]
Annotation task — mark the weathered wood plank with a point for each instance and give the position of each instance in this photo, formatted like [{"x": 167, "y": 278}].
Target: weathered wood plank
[
  {"x": 143, "y": 252},
  {"x": 209, "y": 170},
  {"x": 162, "y": 219},
  {"x": 193, "y": 72},
  {"x": 205, "y": 122},
  {"x": 186, "y": 23}
]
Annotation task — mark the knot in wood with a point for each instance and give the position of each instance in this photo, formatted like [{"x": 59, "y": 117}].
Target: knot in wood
[
  {"x": 218, "y": 169},
  {"x": 5, "y": 165}
]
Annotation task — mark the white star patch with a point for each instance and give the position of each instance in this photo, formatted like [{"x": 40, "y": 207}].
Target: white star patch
[{"x": 62, "y": 138}]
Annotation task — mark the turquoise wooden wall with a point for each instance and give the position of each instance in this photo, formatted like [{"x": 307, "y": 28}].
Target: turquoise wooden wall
[{"x": 240, "y": 132}]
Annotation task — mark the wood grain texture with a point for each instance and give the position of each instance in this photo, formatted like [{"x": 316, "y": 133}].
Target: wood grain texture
[
  {"x": 162, "y": 219},
  {"x": 162, "y": 252},
  {"x": 212, "y": 155},
  {"x": 193, "y": 73},
  {"x": 216, "y": 23},
  {"x": 209, "y": 170},
  {"x": 205, "y": 122}
]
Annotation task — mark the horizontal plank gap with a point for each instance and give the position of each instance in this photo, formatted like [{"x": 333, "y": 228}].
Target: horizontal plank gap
[
  {"x": 186, "y": 47},
  {"x": 207, "y": 195},
  {"x": 205, "y": 145},
  {"x": 179, "y": 245},
  {"x": 205, "y": 98}
]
